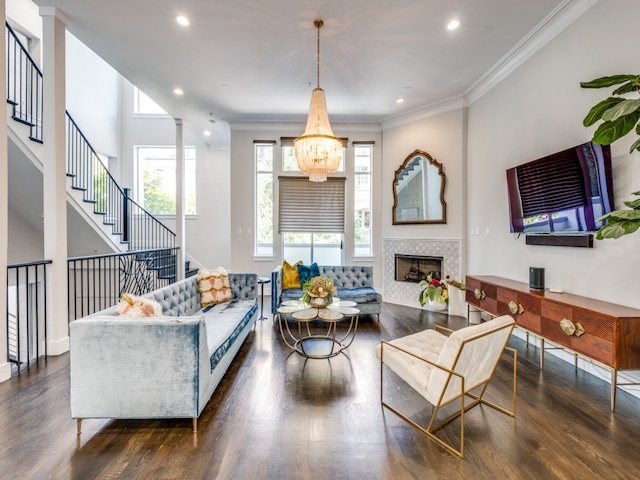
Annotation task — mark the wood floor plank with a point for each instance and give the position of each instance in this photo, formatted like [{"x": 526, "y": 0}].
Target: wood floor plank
[{"x": 276, "y": 415}]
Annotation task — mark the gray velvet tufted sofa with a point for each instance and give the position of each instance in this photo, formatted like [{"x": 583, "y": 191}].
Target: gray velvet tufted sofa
[
  {"x": 161, "y": 367},
  {"x": 354, "y": 283}
]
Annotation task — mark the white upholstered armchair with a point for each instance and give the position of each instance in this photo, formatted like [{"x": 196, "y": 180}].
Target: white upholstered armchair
[{"x": 445, "y": 369}]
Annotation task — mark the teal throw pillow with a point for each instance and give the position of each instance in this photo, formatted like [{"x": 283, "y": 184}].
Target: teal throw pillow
[{"x": 306, "y": 272}]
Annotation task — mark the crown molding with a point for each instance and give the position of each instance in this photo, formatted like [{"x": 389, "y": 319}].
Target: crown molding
[
  {"x": 454, "y": 103},
  {"x": 554, "y": 23},
  {"x": 268, "y": 126}
]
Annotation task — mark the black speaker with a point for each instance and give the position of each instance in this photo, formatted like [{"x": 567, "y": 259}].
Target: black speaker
[
  {"x": 536, "y": 278},
  {"x": 559, "y": 240}
]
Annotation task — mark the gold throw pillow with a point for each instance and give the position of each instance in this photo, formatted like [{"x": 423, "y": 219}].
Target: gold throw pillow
[{"x": 290, "y": 277}]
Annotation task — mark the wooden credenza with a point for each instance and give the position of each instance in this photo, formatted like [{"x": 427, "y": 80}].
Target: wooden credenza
[{"x": 606, "y": 333}]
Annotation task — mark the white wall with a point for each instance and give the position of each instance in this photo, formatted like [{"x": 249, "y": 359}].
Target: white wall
[
  {"x": 243, "y": 195},
  {"x": 25, "y": 243},
  {"x": 93, "y": 97},
  {"x": 207, "y": 233},
  {"x": 536, "y": 111},
  {"x": 442, "y": 136}
]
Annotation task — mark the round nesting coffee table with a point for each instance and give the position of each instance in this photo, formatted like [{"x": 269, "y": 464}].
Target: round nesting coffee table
[{"x": 317, "y": 342}]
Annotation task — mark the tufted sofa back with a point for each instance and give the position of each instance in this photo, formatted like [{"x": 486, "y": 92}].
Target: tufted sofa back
[
  {"x": 182, "y": 298},
  {"x": 348, "y": 276}
]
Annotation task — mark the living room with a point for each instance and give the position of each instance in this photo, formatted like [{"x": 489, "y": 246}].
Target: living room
[{"x": 528, "y": 106}]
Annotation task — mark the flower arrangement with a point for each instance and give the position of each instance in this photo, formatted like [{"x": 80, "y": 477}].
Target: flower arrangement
[
  {"x": 318, "y": 287},
  {"x": 432, "y": 290},
  {"x": 455, "y": 283}
]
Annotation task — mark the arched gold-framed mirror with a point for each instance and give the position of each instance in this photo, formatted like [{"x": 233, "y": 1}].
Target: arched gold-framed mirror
[{"x": 418, "y": 191}]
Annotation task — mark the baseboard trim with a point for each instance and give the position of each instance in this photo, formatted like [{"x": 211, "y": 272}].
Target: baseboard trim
[
  {"x": 560, "y": 240},
  {"x": 58, "y": 347}
]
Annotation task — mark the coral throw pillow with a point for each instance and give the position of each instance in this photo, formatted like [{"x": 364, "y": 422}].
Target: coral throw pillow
[
  {"x": 214, "y": 287},
  {"x": 307, "y": 272},
  {"x": 132, "y": 306},
  {"x": 290, "y": 276}
]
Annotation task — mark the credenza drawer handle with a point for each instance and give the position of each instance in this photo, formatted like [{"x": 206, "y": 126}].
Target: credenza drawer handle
[
  {"x": 479, "y": 294},
  {"x": 516, "y": 308},
  {"x": 567, "y": 326},
  {"x": 579, "y": 330}
]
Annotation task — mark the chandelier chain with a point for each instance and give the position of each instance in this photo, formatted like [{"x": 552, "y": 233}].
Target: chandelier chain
[{"x": 318, "y": 24}]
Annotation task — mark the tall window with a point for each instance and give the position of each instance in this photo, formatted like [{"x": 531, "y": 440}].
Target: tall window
[
  {"x": 156, "y": 179},
  {"x": 362, "y": 199},
  {"x": 311, "y": 244},
  {"x": 289, "y": 162},
  {"x": 142, "y": 104},
  {"x": 264, "y": 199}
]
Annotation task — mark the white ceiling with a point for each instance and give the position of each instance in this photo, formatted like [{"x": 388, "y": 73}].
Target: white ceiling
[{"x": 256, "y": 60}]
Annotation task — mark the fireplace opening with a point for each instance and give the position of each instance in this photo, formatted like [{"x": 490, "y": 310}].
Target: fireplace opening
[{"x": 415, "y": 268}]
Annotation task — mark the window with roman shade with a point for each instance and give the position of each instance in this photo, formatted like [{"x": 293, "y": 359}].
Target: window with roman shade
[{"x": 306, "y": 206}]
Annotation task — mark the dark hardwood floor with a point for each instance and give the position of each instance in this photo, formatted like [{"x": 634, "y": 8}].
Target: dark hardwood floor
[{"x": 277, "y": 416}]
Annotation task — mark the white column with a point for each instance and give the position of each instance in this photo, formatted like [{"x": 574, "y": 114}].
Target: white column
[
  {"x": 5, "y": 367},
  {"x": 54, "y": 177},
  {"x": 180, "y": 219}
]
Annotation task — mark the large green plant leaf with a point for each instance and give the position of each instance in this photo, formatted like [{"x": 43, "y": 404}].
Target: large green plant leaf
[
  {"x": 608, "y": 81},
  {"x": 621, "y": 109},
  {"x": 625, "y": 215},
  {"x": 598, "y": 110},
  {"x": 609, "y": 132},
  {"x": 635, "y": 204},
  {"x": 618, "y": 229},
  {"x": 627, "y": 88}
]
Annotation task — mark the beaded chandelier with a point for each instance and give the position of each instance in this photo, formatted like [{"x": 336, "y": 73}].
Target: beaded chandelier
[{"x": 318, "y": 151}]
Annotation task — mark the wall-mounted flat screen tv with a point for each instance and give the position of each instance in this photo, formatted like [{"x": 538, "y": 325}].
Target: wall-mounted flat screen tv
[{"x": 564, "y": 192}]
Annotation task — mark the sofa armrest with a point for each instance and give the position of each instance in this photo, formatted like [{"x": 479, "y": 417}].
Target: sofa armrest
[
  {"x": 276, "y": 288},
  {"x": 137, "y": 367}
]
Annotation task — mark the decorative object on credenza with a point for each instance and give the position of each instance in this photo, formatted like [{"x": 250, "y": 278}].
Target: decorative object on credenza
[
  {"x": 619, "y": 116},
  {"x": 418, "y": 191},
  {"x": 536, "y": 279},
  {"x": 318, "y": 151}
]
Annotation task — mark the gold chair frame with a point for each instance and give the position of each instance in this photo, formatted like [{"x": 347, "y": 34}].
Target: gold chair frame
[{"x": 476, "y": 398}]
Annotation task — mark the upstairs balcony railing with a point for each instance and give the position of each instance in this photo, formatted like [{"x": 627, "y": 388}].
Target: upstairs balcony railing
[{"x": 24, "y": 85}]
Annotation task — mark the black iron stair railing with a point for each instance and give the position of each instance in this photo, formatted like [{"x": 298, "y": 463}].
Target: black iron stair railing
[{"x": 24, "y": 85}]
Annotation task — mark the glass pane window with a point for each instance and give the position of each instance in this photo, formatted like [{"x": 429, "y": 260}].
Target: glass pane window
[
  {"x": 156, "y": 180},
  {"x": 142, "y": 104},
  {"x": 322, "y": 248},
  {"x": 290, "y": 164},
  {"x": 264, "y": 199},
  {"x": 362, "y": 200}
]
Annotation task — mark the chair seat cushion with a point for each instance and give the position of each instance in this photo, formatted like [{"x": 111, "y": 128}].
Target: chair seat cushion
[{"x": 427, "y": 345}]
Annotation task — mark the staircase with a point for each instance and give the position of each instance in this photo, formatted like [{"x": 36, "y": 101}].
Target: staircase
[{"x": 121, "y": 222}]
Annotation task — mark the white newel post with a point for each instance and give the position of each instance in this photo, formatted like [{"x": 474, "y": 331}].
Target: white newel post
[
  {"x": 54, "y": 177},
  {"x": 180, "y": 218},
  {"x": 5, "y": 367}
]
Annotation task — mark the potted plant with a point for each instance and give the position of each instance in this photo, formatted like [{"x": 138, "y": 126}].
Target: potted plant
[
  {"x": 619, "y": 116},
  {"x": 457, "y": 302},
  {"x": 319, "y": 291},
  {"x": 433, "y": 293}
]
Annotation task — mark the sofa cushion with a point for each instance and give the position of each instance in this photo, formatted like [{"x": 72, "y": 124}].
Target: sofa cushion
[
  {"x": 308, "y": 271},
  {"x": 224, "y": 323},
  {"x": 214, "y": 287},
  {"x": 132, "y": 306},
  {"x": 290, "y": 276},
  {"x": 360, "y": 295}
]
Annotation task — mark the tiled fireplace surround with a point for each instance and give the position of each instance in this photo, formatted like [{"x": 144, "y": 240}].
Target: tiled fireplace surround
[{"x": 406, "y": 293}]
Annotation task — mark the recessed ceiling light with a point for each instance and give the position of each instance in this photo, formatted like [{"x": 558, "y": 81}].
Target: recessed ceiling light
[
  {"x": 206, "y": 133},
  {"x": 182, "y": 20},
  {"x": 453, "y": 24},
  {"x": 178, "y": 91},
  {"x": 400, "y": 100}
]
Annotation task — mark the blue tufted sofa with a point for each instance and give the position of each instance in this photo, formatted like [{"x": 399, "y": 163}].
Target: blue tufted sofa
[
  {"x": 354, "y": 283},
  {"x": 162, "y": 367}
]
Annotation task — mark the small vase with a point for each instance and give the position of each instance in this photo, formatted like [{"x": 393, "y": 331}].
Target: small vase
[
  {"x": 320, "y": 302},
  {"x": 437, "y": 305}
]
